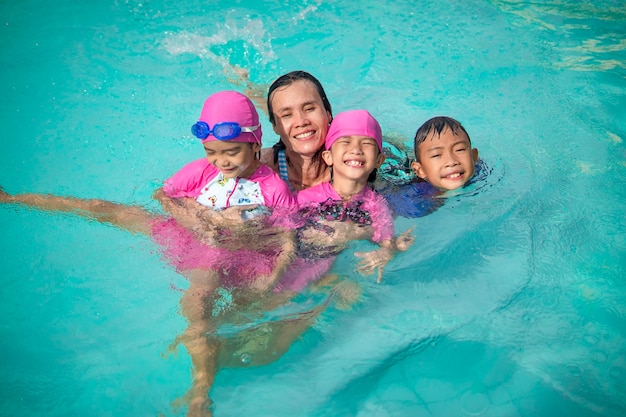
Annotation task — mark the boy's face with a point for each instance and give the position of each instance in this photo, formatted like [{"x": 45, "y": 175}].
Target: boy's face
[{"x": 446, "y": 161}]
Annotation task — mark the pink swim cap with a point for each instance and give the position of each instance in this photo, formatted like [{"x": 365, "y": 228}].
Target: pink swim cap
[
  {"x": 232, "y": 107},
  {"x": 354, "y": 123}
]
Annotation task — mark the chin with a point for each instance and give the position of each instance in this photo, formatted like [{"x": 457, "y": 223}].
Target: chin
[
  {"x": 231, "y": 174},
  {"x": 452, "y": 186},
  {"x": 309, "y": 146}
]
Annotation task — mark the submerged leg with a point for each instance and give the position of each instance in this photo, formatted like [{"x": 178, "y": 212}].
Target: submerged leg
[
  {"x": 132, "y": 218},
  {"x": 267, "y": 341},
  {"x": 201, "y": 345}
]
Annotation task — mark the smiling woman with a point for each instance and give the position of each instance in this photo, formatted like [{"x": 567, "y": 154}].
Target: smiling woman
[{"x": 300, "y": 114}]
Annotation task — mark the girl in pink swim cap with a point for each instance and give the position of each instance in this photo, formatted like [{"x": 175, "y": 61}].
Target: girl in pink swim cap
[
  {"x": 230, "y": 175},
  {"x": 353, "y": 151}
]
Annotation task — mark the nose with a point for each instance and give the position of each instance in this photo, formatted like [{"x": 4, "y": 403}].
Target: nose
[
  {"x": 356, "y": 148},
  {"x": 301, "y": 118},
  {"x": 219, "y": 162},
  {"x": 450, "y": 159}
]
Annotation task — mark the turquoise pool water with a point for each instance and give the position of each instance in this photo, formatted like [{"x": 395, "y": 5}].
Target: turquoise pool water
[{"x": 512, "y": 302}]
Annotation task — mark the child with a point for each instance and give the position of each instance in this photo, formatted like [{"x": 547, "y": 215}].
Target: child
[
  {"x": 347, "y": 205},
  {"x": 444, "y": 156},
  {"x": 335, "y": 212},
  {"x": 444, "y": 160},
  {"x": 230, "y": 175}
]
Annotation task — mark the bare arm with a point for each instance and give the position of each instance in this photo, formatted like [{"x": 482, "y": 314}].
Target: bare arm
[
  {"x": 204, "y": 221},
  {"x": 256, "y": 92},
  {"x": 184, "y": 210},
  {"x": 379, "y": 258},
  {"x": 287, "y": 253}
]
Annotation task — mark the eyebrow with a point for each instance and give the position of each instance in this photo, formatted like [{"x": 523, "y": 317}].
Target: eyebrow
[
  {"x": 434, "y": 148},
  {"x": 461, "y": 140},
  {"x": 234, "y": 147}
]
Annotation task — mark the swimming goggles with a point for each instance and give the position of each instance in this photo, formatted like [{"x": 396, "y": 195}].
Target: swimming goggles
[{"x": 221, "y": 131}]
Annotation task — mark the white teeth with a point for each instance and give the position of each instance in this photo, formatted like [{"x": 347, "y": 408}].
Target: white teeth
[
  {"x": 304, "y": 135},
  {"x": 452, "y": 176},
  {"x": 354, "y": 163}
]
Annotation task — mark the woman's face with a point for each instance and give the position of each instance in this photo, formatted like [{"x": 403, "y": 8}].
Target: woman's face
[{"x": 300, "y": 117}]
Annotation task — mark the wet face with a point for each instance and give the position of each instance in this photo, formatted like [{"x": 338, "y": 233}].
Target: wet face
[
  {"x": 354, "y": 157},
  {"x": 233, "y": 159},
  {"x": 446, "y": 160},
  {"x": 300, "y": 118}
]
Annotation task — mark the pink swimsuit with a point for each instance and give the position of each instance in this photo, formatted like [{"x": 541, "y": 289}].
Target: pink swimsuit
[
  {"x": 206, "y": 184},
  {"x": 322, "y": 202},
  {"x": 202, "y": 181},
  {"x": 366, "y": 207}
]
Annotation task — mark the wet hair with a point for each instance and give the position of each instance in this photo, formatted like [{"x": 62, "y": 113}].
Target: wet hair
[
  {"x": 372, "y": 176},
  {"x": 437, "y": 125},
  {"x": 288, "y": 79}
]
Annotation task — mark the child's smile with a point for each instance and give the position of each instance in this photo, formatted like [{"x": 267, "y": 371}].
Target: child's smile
[
  {"x": 354, "y": 157},
  {"x": 354, "y": 163},
  {"x": 446, "y": 160}
]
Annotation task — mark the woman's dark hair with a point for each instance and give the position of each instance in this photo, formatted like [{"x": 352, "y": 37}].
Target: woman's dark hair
[{"x": 288, "y": 79}]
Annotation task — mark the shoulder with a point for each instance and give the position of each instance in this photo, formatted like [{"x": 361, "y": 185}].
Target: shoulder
[
  {"x": 317, "y": 193},
  {"x": 416, "y": 199},
  {"x": 273, "y": 187},
  {"x": 415, "y": 189},
  {"x": 267, "y": 158},
  {"x": 190, "y": 176},
  {"x": 375, "y": 202},
  {"x": 265, "y": 173},
  {"x": 372, "y": 194}
]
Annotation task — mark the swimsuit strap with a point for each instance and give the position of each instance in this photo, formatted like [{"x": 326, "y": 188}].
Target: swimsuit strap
[{"x": 282, "y": 166}]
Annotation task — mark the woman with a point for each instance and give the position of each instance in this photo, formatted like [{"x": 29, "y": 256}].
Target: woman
[{"x": 300, "y": 113}]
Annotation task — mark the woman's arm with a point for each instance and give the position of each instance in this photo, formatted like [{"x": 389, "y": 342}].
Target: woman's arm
[
  {"x": 132, "y": 218},
  {"x": 286, "y": 255},
  {"x": 204, "y": 221}
]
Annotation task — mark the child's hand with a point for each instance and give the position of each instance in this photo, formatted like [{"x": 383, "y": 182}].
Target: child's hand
[
  {"x": 374, "y": 259},
  {"x": 234, "y": 214},
  {"x": 182, "y": 209},
  {"x": 405, "y": 240}
]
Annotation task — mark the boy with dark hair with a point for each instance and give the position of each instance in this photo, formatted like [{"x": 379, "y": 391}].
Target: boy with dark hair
[{"x": 444, "y": 160}]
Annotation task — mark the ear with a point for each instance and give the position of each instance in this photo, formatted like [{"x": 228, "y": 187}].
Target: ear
[
  {"x": 474, "y": 155},
  {"x": 327, "y": 156},
  {"x": 419, "y": 171},
  {"x": 256, "y": 147},
  {"x": 379, "y": 161}
]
